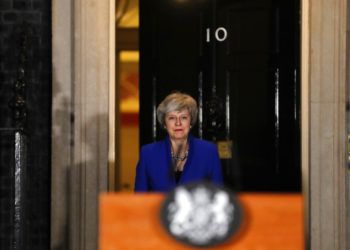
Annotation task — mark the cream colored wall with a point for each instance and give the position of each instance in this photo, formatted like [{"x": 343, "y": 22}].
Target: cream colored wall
[{"x": 129, "y": 140}]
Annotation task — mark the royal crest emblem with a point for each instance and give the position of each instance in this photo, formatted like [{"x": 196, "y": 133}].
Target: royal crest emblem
[{"x": 201, "y": 214}]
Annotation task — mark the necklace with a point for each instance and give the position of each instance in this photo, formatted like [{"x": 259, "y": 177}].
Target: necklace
[{"x": 178, "y": 157}]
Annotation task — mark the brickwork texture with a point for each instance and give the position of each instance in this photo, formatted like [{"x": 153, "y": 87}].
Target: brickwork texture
[{"x": 33, "y": 18}]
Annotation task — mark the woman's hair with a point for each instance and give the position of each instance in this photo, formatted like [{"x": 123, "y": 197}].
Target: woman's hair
[{"x": 177, "y": 101}]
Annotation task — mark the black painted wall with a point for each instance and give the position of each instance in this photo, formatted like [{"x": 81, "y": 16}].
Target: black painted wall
[{"x": 33, "y": 18}]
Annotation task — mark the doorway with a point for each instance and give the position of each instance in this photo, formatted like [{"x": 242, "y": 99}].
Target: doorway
[
  {"x": 318, "y": 33},
  {"x": 240, "y": 61}
]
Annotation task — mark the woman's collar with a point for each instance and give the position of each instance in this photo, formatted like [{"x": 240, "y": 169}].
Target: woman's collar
[{"x": 189, "y": 140}]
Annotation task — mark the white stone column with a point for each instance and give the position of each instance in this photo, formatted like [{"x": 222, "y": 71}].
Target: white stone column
[
  {"x": 91, "y": 99},
  {"x": 83, "y": 59},
  {"x": 324, "y": 120}
]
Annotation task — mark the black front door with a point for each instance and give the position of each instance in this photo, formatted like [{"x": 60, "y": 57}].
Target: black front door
[{"x": 240, "y": 60}]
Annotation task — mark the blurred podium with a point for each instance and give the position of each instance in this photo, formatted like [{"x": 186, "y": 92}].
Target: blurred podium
[{"x": 132, "y": 222}]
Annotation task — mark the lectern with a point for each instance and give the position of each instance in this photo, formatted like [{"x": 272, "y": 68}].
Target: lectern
[{"x": 132, "y": 222}]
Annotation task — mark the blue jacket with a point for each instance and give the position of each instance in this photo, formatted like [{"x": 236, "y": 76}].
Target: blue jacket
[{"x": 155, "y": 173}]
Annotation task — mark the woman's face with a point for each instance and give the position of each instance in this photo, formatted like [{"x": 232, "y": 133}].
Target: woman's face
[{"x": 178, "y": 124}]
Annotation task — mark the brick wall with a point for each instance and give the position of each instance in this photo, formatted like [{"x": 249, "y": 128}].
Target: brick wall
[{"x": 32, "y": 17}]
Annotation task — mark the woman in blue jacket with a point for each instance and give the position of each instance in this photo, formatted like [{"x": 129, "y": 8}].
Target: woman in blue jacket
[{"x": 179, "y": 158}]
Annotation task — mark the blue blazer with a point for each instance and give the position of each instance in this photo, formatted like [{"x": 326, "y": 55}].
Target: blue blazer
[{"x": 154, "y": 171}]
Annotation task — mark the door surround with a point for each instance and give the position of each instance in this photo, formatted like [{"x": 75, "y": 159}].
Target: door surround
[{"x": 83, "y": 78}]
